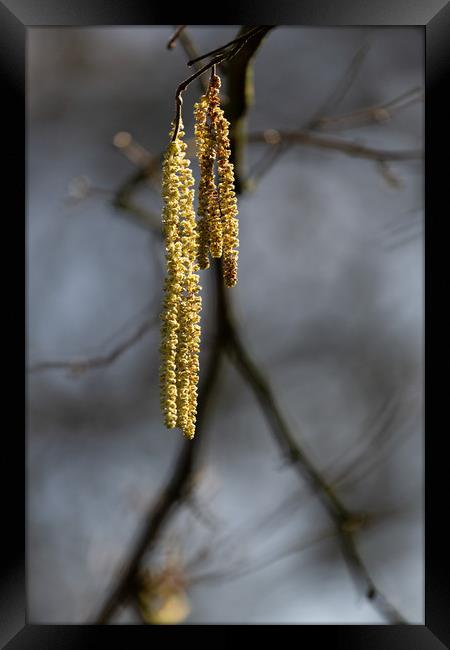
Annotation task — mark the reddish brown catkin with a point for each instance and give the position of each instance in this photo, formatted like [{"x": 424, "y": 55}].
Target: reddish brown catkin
[
  {"x": 210, "y": 224},
  {"x": 227, "y": 201}
]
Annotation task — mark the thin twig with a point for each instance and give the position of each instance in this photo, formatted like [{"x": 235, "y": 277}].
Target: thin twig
[
  {"x": 188, "y": 45},
  {"x": 336, "y": 96},
  {"x": 133, "y": 151},
  {"x": 359, "y": 117},
  {"x": 191, "y": 52},
  {"x": 344, "y": 84},
  {"x": 224, "y": 55},
  {"x": 80, "y": 366},
  {"x": 123, "y": 200},
  {"x": 367, "y": 442},
  {"x": 344, "y": 146},
  {"x": 229, "y": 574},
  {"x": 173, "y": 39},
  {"x": 184, "y": 84},
  {"x": 236, "y": 41},
  {"x": 378, "y": 113},
  {"x": 371, "y": 463}
]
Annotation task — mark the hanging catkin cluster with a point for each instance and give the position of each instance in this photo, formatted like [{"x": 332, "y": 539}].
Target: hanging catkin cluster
[
  {"x": 189, "y": 244},
  {"x": 217, "y": 210}
]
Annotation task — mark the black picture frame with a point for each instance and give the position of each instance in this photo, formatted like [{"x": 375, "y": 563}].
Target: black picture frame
[{"x": 16, "y": 17}]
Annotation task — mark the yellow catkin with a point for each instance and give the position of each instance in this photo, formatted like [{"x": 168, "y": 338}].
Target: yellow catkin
[
  {"x": 187, "y": 360},
  {"x": 226, "y": 191},
  {"x": 180, "y": 345},
  {"x": 173, "y": 284}
]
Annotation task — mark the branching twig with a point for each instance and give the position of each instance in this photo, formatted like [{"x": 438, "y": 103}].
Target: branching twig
[
  {"x": 231, "y": 573},
  {"x": 377, "y": 114},
  {"x": 240, "y": 40},
  {"x": 320, "y": 120},
  {"x": 337, "y": 94},
  {"x": 77, "y": 367},
  {"x": 343, "y": 85},
  {"x": 335, "y": 144},
  {"x": 225, "y": 53},
  {"x": 191, "y": 52}
]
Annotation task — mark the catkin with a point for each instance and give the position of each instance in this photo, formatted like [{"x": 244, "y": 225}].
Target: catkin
[
  {"x": 187, "y": 360},
  {"x": 218, "y": 225},
  {"x": 210, "y": 225},
  {"x": 226, "y": 192},
  {"x": 172, "y": 284},
  {"x": 180, "y": 332}
]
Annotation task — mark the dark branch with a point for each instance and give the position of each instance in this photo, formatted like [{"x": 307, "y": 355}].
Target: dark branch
[
  {"x": 225, "y": 53},
  {"x": 240, "y": 40},
  {"x": 240, "y": 97}
]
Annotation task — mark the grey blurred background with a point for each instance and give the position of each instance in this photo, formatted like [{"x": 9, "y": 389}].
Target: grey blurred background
[{"x": 329, "y": 302}]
